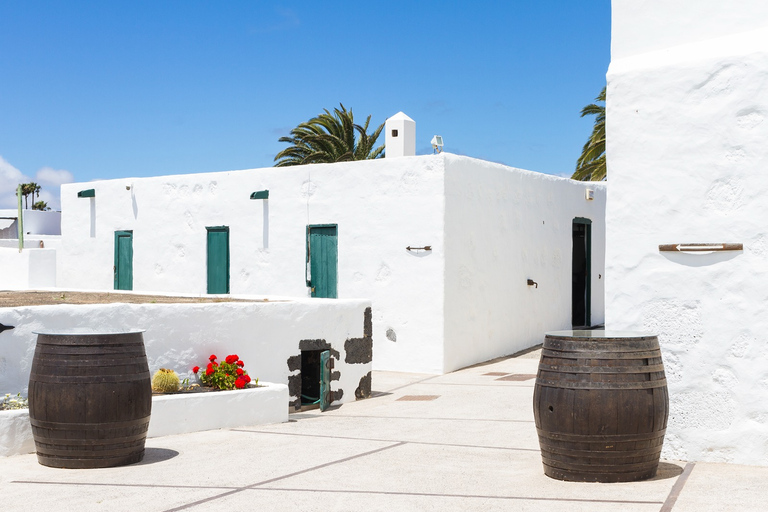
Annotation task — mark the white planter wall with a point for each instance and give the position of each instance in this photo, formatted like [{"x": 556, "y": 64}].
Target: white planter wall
[{"x": 687, "y": 131}]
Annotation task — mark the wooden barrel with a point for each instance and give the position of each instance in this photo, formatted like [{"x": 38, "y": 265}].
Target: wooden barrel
[
  {"x": 90, "y": 398},
  {"x": 601, "y": 405}
]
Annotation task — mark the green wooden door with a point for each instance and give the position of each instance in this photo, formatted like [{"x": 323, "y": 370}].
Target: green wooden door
[
  {"x": 218, "y": 259},
  {"x": 323, "y": 260},
  {"x": 325, "y": 379},
  {"x": 123, "y": 268}
]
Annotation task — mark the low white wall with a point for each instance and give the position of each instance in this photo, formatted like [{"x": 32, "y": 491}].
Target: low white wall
[
  {"x": 30, "y": 268},
  {"x": 185, "y": 413},
  {"x": 503, "y": 227},
  {"x": 15, "y": 433},
  {"x": 175, "y": 414},
  {"x": 179, "y": 336},
  {"x": 687, "y": 151}
]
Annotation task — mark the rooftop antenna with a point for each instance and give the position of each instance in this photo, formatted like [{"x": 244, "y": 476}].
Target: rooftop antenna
[{"x": 437, "y": 144}]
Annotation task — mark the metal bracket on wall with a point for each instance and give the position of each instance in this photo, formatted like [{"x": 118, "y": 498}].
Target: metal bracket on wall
[
  {"x": 6, "y": 327},
  {"x": 699, "y": 247}
]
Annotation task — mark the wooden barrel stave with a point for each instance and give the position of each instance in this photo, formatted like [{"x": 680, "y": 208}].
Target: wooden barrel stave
[
  {"x": 90, "y": 399},
  {"x": 612, "y": 408}
]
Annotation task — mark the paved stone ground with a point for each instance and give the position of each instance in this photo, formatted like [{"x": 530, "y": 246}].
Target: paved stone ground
[{"x": 459, "y": 442}]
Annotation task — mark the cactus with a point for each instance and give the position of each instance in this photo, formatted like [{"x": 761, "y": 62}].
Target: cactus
[{"x": 165, "y": 381}]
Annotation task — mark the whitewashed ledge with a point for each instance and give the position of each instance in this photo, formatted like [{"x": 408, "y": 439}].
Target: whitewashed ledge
[{"x": 175, "y": 414}]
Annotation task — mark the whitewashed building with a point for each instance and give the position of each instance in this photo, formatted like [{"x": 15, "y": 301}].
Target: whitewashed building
[
  {"x": 687, "y": 153},
  {"x": 443, "y": 245}
]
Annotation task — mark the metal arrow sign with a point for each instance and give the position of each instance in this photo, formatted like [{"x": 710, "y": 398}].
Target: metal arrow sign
[{"x": 699, "y": 247}]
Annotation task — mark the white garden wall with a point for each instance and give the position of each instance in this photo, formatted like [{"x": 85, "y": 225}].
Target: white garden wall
[
  {"x": 503, "y": 227},
  {"x": 179, "y": 336},
  {"x": 687, "y": 159}
]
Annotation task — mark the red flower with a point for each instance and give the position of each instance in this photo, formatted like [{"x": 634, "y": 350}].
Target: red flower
[
  {"x": 247, "y": 379},
  {"x": 240, "y": 383},
  {"x": 209, "y": 371},
  {"x": 195, "y": 369},
  {"x": 232, "y": 358},
  {"x": 240, "y": 364},
  {"x": 239, "y": 371},
  {"x": 212, "y": 358}
]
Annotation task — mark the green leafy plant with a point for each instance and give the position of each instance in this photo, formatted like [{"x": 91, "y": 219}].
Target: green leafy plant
[
  {"x": 165, "y": 381},
  {"x": 228, "y": 374},
  {"x": 13, "y": 402}
]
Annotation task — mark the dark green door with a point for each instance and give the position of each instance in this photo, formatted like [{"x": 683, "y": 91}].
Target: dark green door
[
  {"x": 123, "y": 268},
  {"x": 581, "y": 272},
  {"x": 323, "y": 260},
  {"x": 218, "y": 259}
]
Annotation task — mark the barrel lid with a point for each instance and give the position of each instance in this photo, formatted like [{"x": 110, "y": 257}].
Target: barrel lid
[
  {"x": 86, "y": 331},
  {"x": 600, "y": 334}
]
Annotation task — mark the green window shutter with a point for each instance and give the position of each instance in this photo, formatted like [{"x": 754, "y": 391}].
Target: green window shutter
[
  {"x": 218, "y": 259},
  {"x": 123, "y": 269}
]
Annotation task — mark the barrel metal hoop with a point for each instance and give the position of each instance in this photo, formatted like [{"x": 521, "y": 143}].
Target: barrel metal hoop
[{"x": 617, "y": 438}]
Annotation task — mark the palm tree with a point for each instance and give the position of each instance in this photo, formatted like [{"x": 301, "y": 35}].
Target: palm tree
[
  {"x": 30, "y": 189},
  {"x": 330, "y": 137},
  {"x": 591, "y": 164}
]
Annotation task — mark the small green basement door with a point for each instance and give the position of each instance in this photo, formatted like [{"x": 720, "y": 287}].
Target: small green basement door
[
  {"x": 123, "y": 269},
  {"x": 218, "y": 259},
  {"x": 322, "y": 256}
]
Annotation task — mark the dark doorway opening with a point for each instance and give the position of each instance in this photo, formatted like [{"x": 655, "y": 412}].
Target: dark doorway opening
[
  {"x": 581, "y": 264},
  {"x": 310, "y": 377}
]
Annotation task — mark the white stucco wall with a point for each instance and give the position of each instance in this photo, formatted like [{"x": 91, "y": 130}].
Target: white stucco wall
[
  {"x": 687, "y": 151},
  {"x": 503, "y": 227},
  {"x": 380, "y": 207},
  {"x": 180, "y": 336},
  {"x": 36, "y": 222},
  {"x": 29, "y": 269}
]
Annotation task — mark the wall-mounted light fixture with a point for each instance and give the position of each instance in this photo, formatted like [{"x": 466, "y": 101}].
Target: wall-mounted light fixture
[
  {"x": 425, "y": 248},
  {"x": 531, "y": 282}
]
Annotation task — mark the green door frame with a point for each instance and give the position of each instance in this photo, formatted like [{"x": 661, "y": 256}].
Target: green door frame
[
  {"x": 123, "y": 268},
  {"x": 217, "y": 259},
  {"x": 587, "y": 223},
  {"x": 329, "y": 288}
]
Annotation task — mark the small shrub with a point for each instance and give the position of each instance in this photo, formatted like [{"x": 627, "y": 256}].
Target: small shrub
[{"x": 13, "y": 402}]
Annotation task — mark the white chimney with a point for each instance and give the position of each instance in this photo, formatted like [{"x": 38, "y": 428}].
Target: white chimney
[{"x": 400, "y": 138}]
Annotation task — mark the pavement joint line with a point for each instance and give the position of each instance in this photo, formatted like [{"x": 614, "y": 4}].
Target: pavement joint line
[
  {"x": 674, "y": 493},
  {"x": 475, "y": 496},
  {"x": 103, "y": 484},
  {"x": 421, "y": 418},
  {"x": 283, "y": 477},
  {"x": 384, "y": 440},
  {"x": 411, "y": 383}
]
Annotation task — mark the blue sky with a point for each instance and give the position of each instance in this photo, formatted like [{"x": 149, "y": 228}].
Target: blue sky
[{"x": 98, "y": 90}]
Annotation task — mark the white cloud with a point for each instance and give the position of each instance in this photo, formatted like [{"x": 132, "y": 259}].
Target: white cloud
[
  {"x": 48, "y": 178},
  {"x": 10, "y": 177}
]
